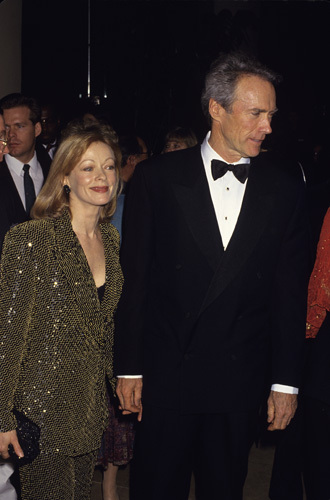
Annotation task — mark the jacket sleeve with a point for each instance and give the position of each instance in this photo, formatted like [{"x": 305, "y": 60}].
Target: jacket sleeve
[
  {"x": 17, "y": 297},
  {"x": 136, "y": 261},
  {"x": 290, "y": 298}
]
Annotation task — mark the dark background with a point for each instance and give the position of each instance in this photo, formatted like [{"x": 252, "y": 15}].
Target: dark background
[{"x": 150, "y": 57}]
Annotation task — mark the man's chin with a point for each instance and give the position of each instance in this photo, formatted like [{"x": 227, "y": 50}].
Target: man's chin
[
  {"x": 254, "y": 151},
  {"x": 14, "y": 152}
]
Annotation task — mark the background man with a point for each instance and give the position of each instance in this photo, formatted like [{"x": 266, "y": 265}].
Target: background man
[
  {"x": 133, "y": 150},
  {"x": 213, "y": 308},
  {"x": 19, "y": 184},
  {"x": 50, "y": 129}
]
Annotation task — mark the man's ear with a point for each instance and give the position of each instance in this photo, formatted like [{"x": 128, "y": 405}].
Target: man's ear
[
  {"x": 216, "y": 110},
  {"x": 37, "y": 129}
]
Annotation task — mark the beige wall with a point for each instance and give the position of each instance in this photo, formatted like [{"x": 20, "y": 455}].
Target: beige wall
[{"x": 10, "y": 46}]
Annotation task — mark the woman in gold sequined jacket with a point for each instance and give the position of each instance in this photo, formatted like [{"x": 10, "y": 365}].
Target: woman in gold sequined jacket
[{"x": 60, "y": 284}]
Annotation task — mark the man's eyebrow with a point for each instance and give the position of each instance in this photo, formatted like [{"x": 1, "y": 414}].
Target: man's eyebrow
[
  {"x": 17, "y": 123},
  {"x": 260, "y": 110}
]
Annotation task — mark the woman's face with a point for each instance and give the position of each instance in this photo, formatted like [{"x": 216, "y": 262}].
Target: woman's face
[
  {"x": 92, "y": 181},
  {"x": 174, "y": 145}
]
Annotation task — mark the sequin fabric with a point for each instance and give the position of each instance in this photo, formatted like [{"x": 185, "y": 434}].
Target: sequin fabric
[
  {"x": 58, "y": 477},
  {"x": 318, "y": 302},
  {"x": 56, "y": 339}
]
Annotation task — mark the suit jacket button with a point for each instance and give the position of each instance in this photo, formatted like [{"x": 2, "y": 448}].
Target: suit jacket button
[
  {"x": 186, "y": 357},
  {"x": 233, "y": 357},
  {"x": 178, "y": 267},
  {"x": 187, "y": 315}
]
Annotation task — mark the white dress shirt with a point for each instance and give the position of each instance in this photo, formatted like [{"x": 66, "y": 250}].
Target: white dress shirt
[
  {"x": 16, "y": 170},
  {"x": 52, "y": 149},
  {"x": 227, "y": 192}
]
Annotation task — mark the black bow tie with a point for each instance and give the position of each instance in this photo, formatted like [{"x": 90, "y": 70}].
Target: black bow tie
[{"x": 219, "y": 168}]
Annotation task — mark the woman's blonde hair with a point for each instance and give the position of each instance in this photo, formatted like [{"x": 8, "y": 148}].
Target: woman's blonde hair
[{"x": 75, "y": 140}]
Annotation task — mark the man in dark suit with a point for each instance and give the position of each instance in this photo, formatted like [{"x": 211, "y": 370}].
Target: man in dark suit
[
  {"x": 22, "y": 120},
  {"x": 213, "y": 308},
  {"x": 51, "y": 128},
  {"x": 133, "y": 150}
]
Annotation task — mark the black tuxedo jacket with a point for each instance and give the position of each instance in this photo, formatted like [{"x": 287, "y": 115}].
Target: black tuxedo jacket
[
  {"x": 12, "y": 211},
  {"x": 209, "y": 328}
]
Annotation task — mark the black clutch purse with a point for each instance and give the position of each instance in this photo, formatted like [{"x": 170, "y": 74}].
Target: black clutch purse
[{"x": 28, "y": 434}]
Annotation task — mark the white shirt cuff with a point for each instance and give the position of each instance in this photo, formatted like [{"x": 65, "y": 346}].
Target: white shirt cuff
[
  {"x": 129, "y": 376},
  {"x": 285, "y": 388}
]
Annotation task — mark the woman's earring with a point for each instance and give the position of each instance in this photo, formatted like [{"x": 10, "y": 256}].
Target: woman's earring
[{"x": 67, "y": 189}]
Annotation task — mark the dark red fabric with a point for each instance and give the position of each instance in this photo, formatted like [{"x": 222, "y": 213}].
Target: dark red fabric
[{"x": 319, "y": 283}]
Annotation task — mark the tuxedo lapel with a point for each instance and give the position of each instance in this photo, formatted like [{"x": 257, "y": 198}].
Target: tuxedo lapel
[
  {"x": 253, "y": 218},
  {"x": 193, "y": 195},
  {"x": 11, "y": 195}
]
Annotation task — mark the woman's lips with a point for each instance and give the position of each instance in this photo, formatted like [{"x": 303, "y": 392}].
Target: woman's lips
[{"x": 100, "y": 189}]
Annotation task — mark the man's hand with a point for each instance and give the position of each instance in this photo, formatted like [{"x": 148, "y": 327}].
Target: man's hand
[
  {"x": 129, "y": 391},
  {"x": 281, "y": 410},
  {"x": 7, "y": 438}
]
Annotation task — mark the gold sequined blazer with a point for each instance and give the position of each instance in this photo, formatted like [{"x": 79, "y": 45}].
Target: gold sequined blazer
[{"x": 56, "y": 337}]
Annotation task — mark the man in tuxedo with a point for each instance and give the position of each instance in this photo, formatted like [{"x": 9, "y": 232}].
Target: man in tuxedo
[
  {"x": 24, "y": 170},
  {"x": 51, "y": 128},
  {"x": 212, "y": 315}
]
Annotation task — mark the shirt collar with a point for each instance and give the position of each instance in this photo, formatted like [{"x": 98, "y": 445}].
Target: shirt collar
[
  {"x": 17, "y": 166},
  {"x": 51, "y": 145},
  {"x": 208, "y": 153}
]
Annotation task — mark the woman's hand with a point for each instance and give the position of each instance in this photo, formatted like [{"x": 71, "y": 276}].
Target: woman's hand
[{"x": 7, "y": 438}]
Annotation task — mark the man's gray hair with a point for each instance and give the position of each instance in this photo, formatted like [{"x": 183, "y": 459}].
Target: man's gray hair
[{"x": 224, "y": 74}]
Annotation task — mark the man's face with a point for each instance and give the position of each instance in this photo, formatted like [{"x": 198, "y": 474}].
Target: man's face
[
  {"x": 240, "y": 131},
  {"x": 49, "y": 124},
  {"x": 21, "y": 133},
  {"x": 3, "y": 139}
]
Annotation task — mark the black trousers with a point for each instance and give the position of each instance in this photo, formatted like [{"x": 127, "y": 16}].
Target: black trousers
[
  {"x": 317, "y": 449},
  {"x": 169, "y": 447},
  {"x": 286, "y": 480},
  {"x": 303, "y": 454}
]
